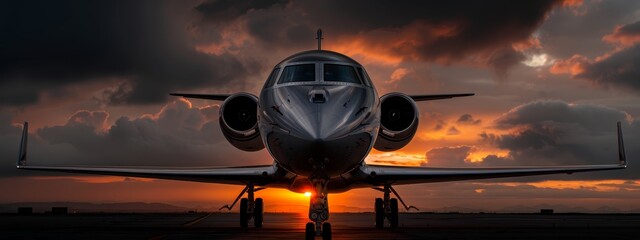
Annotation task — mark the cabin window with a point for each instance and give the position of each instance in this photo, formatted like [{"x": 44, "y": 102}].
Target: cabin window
[
  {"x": 272, "y": 78},
  {"x": 340, "y": 73},
  {"x": 298, "y": 73}
]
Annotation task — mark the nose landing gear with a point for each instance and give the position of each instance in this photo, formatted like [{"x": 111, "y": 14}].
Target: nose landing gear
[{"x": 318, "y": 212}]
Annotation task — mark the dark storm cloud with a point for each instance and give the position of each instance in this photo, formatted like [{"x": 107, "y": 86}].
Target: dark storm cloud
[
  {"x": 625, "y": 35},
  {"x": 430, "y": 31},
  {"x": 220, "y": 11},
  {"x": 47, "y": 45},
  {"x": 150, "y": 46},
  {"x": 467, "y": 119},
  {"x": 571, "y": 31},
  {"x": 619, "y": 70},
  {"x": 178, "y": 135},
  {"x": 558, "y": 133},
  {"x": 447, "y": 156},
  {"x": 174, "y": 133},
  {"x": 538, "y": 113},
  {"x": 6, "y": 128}
]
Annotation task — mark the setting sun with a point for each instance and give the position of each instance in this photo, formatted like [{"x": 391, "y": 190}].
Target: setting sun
[{"x": 307, "y": 194}]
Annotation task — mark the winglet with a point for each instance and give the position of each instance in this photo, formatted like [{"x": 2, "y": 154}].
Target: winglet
[
  {"x": 22, "y": 155},
  {"x": 621, "y": 153}
]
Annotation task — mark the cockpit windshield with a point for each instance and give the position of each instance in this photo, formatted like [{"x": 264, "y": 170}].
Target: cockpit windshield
[
  {"x": 272, "y": 78},
  {"x": 340, "y": 73},
  {"x": 298, "y": 73}
]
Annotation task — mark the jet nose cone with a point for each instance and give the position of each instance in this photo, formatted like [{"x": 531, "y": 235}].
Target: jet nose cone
[
  {"x": 325, "y": 123},
  {"x": 320, "y": 112}
]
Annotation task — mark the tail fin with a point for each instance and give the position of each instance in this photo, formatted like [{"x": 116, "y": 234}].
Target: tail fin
[
  {"x": 621, "y": 153},
  {"x": 22, "y": 155}
]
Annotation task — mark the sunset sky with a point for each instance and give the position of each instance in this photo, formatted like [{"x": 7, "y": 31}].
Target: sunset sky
[{"x": 551, "y": 79}]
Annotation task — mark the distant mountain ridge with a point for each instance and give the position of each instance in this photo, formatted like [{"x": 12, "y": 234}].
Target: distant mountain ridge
[
  {"x": 83, "y": 207},
  {"x": 145, "y": 207}
]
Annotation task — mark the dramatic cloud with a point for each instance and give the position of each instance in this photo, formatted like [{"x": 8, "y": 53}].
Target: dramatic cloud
[
  {"x": 467, "y": 119},
  {"x": 626, "y": 35},
  {"x": 447, "y": 156},
  {"x": 618, "y": 70},
  {"x": 444, "y": 32},
  {"x": 538, "y": 113},
  {"x": 178, "y": 135},
  {"x": 147, "y": 52},
  {"x": 573, "y": 66},
  {"x": 558, "y": 133},
  {"x": 614, "y": 69},
  {"x": 49, "y": 45}
]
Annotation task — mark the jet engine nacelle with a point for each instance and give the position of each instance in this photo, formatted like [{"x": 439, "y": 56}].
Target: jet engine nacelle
[
  {"x": 398, "y": 121},
  {"x": 239, "y": 122}
]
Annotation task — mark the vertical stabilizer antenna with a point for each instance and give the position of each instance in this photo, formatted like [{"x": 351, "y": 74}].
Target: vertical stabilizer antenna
[{"x": 319, "y": 37}]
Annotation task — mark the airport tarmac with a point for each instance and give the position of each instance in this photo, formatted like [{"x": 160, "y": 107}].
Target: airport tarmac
[{"x": 345, "y": 226}]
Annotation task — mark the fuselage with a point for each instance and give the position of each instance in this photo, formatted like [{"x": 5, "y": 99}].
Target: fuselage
[{"x": 318, "y": 114}]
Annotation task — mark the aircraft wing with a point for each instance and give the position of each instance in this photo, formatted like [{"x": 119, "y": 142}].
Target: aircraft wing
[
  {"x": 439, "y": 96},
  {"x": 378, "y": 175},
  {"x": 257, "y": 175},
  {"x": 218, "y": 97}
]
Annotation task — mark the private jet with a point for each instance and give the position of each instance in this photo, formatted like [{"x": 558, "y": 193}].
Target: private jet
[{"x": 319, "y": 115}]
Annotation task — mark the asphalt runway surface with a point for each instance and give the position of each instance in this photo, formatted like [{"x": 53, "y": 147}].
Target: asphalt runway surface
[{"x": 345, "y": 226}]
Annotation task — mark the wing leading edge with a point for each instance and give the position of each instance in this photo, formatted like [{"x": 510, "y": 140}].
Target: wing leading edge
[
  {"x": 382, "y": 175},
  {"x": 430, "y": 97},
  {"x": 217, "y": 97},
  {"x": 257, "y": 175}
]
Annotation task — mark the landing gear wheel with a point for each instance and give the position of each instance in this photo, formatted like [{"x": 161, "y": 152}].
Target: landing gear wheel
[
  {"x": 310, "y": 231},
  {"x": 326, "y": 231},
  {"x": 379, "y": 207},
  {"x": 393, "y": 217},
  {"x": 257, "y": 211},
  {"x": 244, "y": 220}
]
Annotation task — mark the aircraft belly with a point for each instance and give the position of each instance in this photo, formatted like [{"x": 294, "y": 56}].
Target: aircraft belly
[{"x": 336, "y": 156}]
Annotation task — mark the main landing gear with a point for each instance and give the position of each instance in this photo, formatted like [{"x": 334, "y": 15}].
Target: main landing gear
[
  {"x": 388, "y": 207},
  {"x": 249, "y": 207},
  {"x": 318, "y": 212}
]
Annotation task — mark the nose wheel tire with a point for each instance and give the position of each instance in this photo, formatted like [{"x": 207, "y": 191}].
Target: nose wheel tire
[
  {"x": 379, "y": 207},
  {"x": 310, "y": 231},
  {"x": 244, "y": 218},
  {"x": 258, "y": 212},
  {"x": 326, "y": 231}
]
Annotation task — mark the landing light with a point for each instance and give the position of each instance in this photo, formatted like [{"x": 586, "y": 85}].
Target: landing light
[{"x": 307, "y": 194}]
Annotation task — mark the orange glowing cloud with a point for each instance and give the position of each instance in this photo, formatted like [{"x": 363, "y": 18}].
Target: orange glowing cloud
[
  {"x": 590, "y": 185},
  {"x": 396, "y": 158},
  {"x": 358, "y": 46},
  {"x": 398, "y": 75},
  {"x": 622, "y": 38},
  {"x": 390, "y": 46},
  {"x": 572, "y": 3},
  {"x": 479, "y": 154},
  {"x": 575, "y": 65},
  {"x": 531, "y": 42}
]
